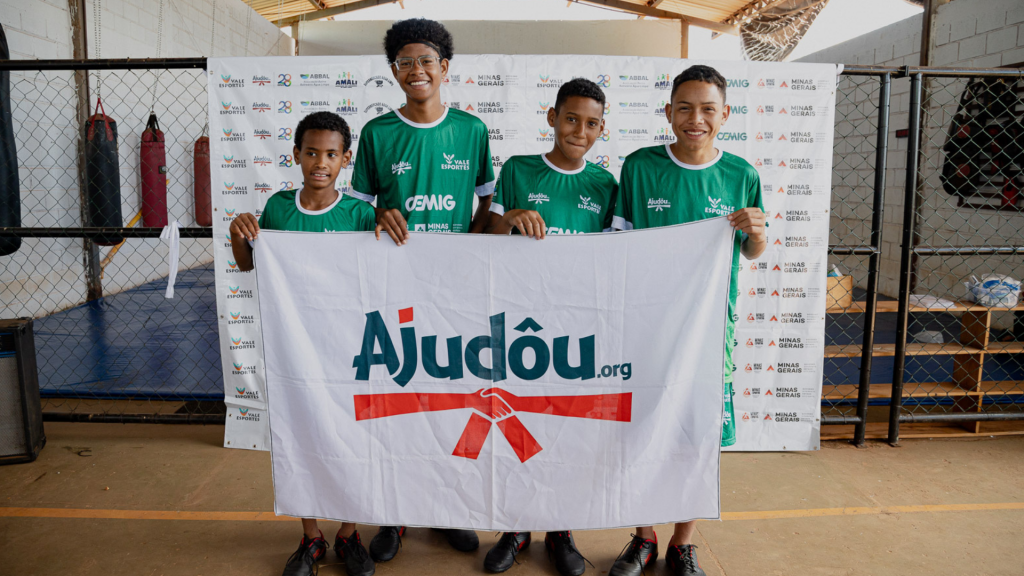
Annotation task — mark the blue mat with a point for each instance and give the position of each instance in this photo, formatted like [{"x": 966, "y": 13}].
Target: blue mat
[{"x": 136, "y": 344}]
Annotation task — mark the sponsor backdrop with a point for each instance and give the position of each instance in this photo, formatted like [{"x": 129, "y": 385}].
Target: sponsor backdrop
[
  {"x": 486, "y": 401},
  {"x": 781, "y": 122}
]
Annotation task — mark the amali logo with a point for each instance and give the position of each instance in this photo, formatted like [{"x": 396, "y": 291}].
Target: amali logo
[
  {"x": 346, "y": 80},
  {"x": 346, "y": 107},
  {"x": 664, "y": 136},
  {"x": 493, "y": 405},
  {"x": 663, "y": 82}
]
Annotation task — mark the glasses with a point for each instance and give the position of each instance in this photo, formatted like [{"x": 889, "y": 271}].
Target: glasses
[{"x": 406, "y": 64}]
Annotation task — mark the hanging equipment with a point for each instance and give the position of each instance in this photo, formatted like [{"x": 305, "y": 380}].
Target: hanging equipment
[
  {"x": 10, "y": 195},
  {"x": 154, "y": 175},
  {"x": 201, "y": 165},
  {"x": 103, "y": 180}
]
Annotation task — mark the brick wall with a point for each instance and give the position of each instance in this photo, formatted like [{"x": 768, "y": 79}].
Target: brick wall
[{"x": 46, "y": 275}]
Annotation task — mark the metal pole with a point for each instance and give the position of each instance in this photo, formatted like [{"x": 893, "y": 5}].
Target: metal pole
[
  {"x": 906, "y": 252},
  {"x": 881, "y": 150}
]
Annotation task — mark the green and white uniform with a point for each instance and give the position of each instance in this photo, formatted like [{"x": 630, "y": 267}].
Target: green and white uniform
[
  {"x": 656, "y": 189},
  {"x": 570, "y": 202},
  {"x": 428, "y": 171},
  {"x": 284, "y": 212}
]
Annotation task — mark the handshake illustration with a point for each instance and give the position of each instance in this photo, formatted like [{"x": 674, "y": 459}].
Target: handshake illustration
[{"x": 498, "y": 407}]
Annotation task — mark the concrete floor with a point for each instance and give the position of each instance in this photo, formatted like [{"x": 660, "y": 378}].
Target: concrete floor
[{"x": 97, "y": 500}]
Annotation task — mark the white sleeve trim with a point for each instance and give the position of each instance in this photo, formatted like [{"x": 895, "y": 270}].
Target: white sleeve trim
[
  {"x": 485, "y": 189},
  {"x": 620, "y": 223},
  {"x": 497, "y": 209},
  {"x": 364, "y": 197}
]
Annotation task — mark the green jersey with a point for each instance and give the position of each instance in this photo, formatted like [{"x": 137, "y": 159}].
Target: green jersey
[
  {"x": 427, "y": 171},
  {"x": 576, "y": 202},
  {"x": 347, "y": 214},
  {"x": 656, "y": 189}
]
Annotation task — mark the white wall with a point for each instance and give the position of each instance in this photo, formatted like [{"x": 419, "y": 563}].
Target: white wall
[
  {"x": 46, "y": 275},
  {"x": 971, "y": 33},
  {"x": 605, "y": 37}
]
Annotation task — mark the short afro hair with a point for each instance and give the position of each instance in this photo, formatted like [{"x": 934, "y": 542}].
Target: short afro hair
[
  {"x": 579, "y": 87},
  {"x": 700, "y": 73},
  {"x": 418, "y": 31},
  {"x": 324, "y": 121}
]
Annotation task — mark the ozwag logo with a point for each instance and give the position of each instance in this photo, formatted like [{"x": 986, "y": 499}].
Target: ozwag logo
[
  {"x": 226, "y": 81},
  {"x": 261, "y": 80},
  {"x": 537, "y": 198},
  {"x": 426, "y": 202},
  {"x": 231, "y": 109},
  {"x": 261, "y": 133},
  {"x": 261, "y": 107},
  {"x": 586, "y": 203},
  {"x": 450, "y": 163},
  {"x": 492, "y": 405},
  {"x": 663, "y": 82},
  {"x": 658, "y": 204}
]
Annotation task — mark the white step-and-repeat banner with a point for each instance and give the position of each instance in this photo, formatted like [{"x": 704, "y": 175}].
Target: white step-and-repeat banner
[{"x": 781, "y": 122}]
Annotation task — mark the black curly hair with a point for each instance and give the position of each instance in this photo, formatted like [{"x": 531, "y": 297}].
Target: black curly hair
[
  {"x": 579, "y": 87},
  {"x": 324, "y": 121},
  {"x": 418, "y": 31},
  {"x": 700, "y": 73}
]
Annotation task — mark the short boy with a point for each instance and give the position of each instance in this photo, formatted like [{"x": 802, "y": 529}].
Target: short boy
[
  {"x": 682, "y": 182},
  {"x": 423, "y": 163},
  {"x": 322, "y": 142},
  {"x": 555, "y": 193}
]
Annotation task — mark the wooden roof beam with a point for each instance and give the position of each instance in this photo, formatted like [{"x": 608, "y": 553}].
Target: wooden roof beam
[
  {"x": 658, "y": 13},
  {"x": 333, "y": 11},
  {"x": 318, "y": 4}
]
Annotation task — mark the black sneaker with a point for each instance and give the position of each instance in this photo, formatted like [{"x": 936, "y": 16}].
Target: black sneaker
[
  {"x": 562, "y": 551},
  {"x": 635, "y": 557},
  {"x": 350, "y": 551},
  {"x": 386, "y": 542},
  {"x": 303, "y": 561},
  {"x": 682, "y": 561},
  {"x": 461, "y": 540},
  {"x": 503, "y": 554}
]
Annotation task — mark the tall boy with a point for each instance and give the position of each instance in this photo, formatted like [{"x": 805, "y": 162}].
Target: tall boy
[
  {"x": 555, "y": 193},
  {"x": 682, "y": 182},
  {"x": 322, "y": 143},
  {"x": 423, "y": 163}
]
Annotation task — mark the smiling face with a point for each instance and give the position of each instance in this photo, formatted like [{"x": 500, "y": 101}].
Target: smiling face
[
  {"x": 420, "y": 83},
  {"x": 696, "y": 113},
  {"x": 322, "y": 157},
  {"x": 577, "y": 123}
]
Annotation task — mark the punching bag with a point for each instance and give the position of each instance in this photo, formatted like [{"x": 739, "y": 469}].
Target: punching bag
[
  {"x": 201, "y": 165},
  {"x": 10, "y": 195},
  {"x": 153, "y": 163},
  {"x": 102, "y": 179}
]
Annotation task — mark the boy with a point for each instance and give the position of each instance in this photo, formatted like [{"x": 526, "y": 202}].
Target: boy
[
  {"x": 555, "y": 193},
  {"x": 322, "y": 142},
  {"x": 682, "y": 182},
  {"x": 423, "y": 163}
]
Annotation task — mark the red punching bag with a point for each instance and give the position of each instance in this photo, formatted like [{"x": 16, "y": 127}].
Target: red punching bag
[
  {"x": 154, "y": 175},
  {"x": 201, "y": 163}
]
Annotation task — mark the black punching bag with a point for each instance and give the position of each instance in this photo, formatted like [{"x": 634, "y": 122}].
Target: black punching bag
[
  {"x": 103, "y": 184},
  {"x": 10, "y": 195}
]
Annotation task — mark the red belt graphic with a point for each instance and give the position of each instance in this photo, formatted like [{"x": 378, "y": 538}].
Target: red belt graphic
[{"x": 496, "y": 406}]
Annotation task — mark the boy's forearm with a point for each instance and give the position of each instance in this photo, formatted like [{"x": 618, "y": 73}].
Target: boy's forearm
[
  {"x": 482, "y": 216},
  {"x": 751, "y": 248},
  {"x": 242, "y": 252},
  {"x": 496, "y": 225}
]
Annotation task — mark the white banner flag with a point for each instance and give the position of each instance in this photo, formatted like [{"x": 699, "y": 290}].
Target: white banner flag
[{"x": 496, "y": 383}]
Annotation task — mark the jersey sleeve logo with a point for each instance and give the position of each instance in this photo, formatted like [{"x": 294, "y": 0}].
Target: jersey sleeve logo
[{"x": 400, "y": 168}]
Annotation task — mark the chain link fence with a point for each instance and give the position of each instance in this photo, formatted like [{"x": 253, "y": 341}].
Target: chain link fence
[{"x": 112, "y": 348}]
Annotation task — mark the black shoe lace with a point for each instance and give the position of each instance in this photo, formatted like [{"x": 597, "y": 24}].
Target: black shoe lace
[
  {"x": 566, "y": 537},
  {"x": 508, "y": 542},
  {"x": 689, "y": 558},
  {"x": 355, "y": 545},
  {"x": 631, "y": 553},
  {"x": 305, "y": 548}
]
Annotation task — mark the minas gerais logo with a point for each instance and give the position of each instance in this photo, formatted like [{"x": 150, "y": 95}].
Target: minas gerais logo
[{"x": 494, "y": 405}]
